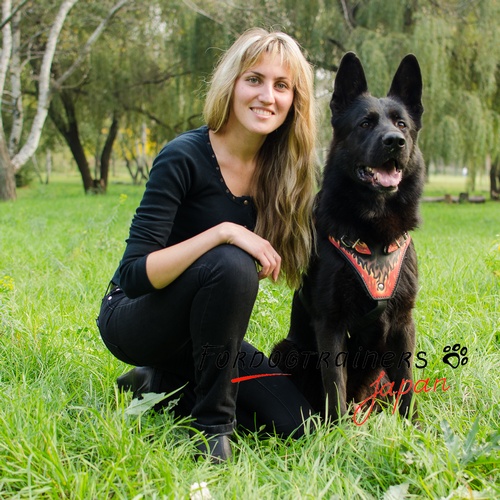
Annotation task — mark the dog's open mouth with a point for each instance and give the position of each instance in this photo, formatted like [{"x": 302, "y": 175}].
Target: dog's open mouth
[{"x": 387, "y": 176}]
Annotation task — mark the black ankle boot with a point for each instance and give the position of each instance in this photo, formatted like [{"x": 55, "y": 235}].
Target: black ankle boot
[
  {"x": 215, "y": 447},
  {"x": 139, "y": 380}
]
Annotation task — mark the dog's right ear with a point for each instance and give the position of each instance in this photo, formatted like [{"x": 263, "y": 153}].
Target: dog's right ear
[{"x": 350, "y": 83}]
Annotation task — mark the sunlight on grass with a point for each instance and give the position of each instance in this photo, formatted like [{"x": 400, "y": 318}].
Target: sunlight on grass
[{"x": 64, "y": 428}]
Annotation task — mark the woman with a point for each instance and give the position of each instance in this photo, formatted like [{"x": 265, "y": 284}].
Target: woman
[{"x": 220, "y": 199}]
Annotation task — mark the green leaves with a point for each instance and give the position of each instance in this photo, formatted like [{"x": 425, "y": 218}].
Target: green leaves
[
  {"x": 467, "y": 451},
  {"x": 148, "y": 400},
  {"x": 139, "y": 406}
]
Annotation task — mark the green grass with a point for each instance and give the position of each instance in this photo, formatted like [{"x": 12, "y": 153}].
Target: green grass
[{"x": 64, "y": 431}]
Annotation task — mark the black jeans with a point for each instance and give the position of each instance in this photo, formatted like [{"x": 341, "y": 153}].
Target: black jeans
[{"x": 192, "y": 332}]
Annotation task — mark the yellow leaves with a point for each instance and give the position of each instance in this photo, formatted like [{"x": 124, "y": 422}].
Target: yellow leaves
[{"x": 138, "y": 143}]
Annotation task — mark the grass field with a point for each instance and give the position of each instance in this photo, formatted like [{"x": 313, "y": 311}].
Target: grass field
[{"x": 65, "y": 431}]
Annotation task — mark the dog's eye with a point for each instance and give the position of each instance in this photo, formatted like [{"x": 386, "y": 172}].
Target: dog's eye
[
  {"x": 401, "y": 124},
  {"x": 364, "y": 124}
]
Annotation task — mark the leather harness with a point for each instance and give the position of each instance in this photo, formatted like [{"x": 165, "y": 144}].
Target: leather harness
[{"x": 377, "y": 267}]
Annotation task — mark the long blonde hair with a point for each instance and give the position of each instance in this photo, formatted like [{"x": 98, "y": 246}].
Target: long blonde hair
[{"x": 286, "y": 169}]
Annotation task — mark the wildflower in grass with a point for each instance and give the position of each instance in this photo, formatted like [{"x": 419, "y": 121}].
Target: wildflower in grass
[
  {"x": 6, "y": 284},
  {"x": 199, "y": 492},
  {"x": 397, "y": 492},
  {"x": 123, "y": 198},
  {"x": 466, "y": 492}
]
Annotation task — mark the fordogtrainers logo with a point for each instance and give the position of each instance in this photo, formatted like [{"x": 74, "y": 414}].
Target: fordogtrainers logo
[{"x": 454, "y": 355}]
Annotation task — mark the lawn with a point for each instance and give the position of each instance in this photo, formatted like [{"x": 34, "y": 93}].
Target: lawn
[{"x": 65, "y": 432}]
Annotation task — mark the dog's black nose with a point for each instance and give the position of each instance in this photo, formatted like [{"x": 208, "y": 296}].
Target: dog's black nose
[{"x": 394, "y": 140}]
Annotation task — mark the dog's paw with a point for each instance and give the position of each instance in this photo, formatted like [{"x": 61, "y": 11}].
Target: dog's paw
[{"x": 455, "y": 356}]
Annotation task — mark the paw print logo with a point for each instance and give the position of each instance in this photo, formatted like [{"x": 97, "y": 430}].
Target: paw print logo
[{"x": 455, "y": 356}]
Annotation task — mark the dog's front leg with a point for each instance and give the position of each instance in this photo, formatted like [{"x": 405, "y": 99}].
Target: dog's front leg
[
  {"x": 332, "y": 350},
  {"x": 401, "y": 373}
]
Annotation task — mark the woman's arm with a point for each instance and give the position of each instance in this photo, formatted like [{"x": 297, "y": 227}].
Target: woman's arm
[
  {"x": 182, "y": 173},
  {"x": 165, "y": 265}
]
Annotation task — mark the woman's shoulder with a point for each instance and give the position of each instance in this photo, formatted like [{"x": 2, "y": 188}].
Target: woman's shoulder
[
  {"x": 191, "y": 142},
  {"x": 188, "y": 156}
]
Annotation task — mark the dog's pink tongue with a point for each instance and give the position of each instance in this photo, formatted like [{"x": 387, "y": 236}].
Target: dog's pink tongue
[{"x": 388, "y": 178}]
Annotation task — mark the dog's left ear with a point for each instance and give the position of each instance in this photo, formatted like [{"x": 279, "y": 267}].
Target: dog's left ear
[{"x": 407, "y": 87}]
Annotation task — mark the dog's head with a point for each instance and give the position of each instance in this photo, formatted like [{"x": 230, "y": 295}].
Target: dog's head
[{"x": 377, "y": 136}]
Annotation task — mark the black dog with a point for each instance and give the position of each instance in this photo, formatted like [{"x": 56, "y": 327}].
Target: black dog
[{"x": 351, "y": 323}]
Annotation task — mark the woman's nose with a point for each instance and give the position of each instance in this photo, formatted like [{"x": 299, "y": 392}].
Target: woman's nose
[{"x": 267, "y": 94}]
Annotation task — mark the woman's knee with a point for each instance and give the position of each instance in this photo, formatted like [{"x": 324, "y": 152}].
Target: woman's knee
[{"x": 232, "y": 267}]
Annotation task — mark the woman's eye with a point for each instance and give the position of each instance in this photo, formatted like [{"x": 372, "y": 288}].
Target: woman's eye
[
  {"x": 252, "y": 79},
  {"x": 281, "y": 86}
]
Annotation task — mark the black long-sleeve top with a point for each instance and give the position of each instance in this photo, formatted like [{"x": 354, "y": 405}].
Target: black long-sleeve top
[{"x": 185, "y": 195}]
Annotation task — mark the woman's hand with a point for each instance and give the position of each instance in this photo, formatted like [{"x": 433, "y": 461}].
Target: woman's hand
[{"x": 259, "y": 248}]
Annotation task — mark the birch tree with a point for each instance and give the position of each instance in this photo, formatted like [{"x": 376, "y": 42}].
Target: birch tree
[{"x": 14, "y": 151}]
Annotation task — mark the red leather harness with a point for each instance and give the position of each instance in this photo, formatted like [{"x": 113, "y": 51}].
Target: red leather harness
[{"x": 378, "y": 268}]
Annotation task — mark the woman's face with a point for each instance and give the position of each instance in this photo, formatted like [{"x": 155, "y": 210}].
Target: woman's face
[{"x": 262, "y": 97}]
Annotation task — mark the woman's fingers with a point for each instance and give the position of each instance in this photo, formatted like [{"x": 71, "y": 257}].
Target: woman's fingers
[
  {"x": 259, "y": 248},
  {"x": 270, "y": 265}
]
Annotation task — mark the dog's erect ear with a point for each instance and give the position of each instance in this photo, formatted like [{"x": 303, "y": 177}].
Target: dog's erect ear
[
  {"x": 350, "y": 82},
  {"x": 407, "y": 87}
]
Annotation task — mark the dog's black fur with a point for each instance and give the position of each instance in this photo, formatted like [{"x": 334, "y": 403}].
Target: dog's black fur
[{"x": 371, "y": 187}]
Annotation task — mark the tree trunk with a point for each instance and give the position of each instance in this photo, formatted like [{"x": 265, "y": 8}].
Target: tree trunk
[
  {"x": 495, "y": 180},
  {"x": 44, "y": 90},
  {"x": 16, "y": 88},
  {"x": 72, "y": 138},
  {"x": 69, "y": 130},
  {"x": 106, "y": 152},
  {"x": 68, "y": 127},
  {"x": 7, "y": 175}
]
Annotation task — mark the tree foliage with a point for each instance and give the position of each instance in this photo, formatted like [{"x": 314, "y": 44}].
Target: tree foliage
[
  {"x": 32, "y": 33},
  {"x": 147, "y": 70},
  {"x": 454, "y": 40}
]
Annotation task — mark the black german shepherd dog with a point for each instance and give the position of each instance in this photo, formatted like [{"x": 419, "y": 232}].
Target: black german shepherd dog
[{"x": 351, "y": 322}]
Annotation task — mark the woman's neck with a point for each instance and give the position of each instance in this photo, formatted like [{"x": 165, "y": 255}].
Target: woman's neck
[
  {"x": 237, "y": 159},
  {"x": 242, "y": 148}
]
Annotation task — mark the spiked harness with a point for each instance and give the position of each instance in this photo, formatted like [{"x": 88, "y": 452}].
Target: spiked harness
[{"x": 378, "y": 268}]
